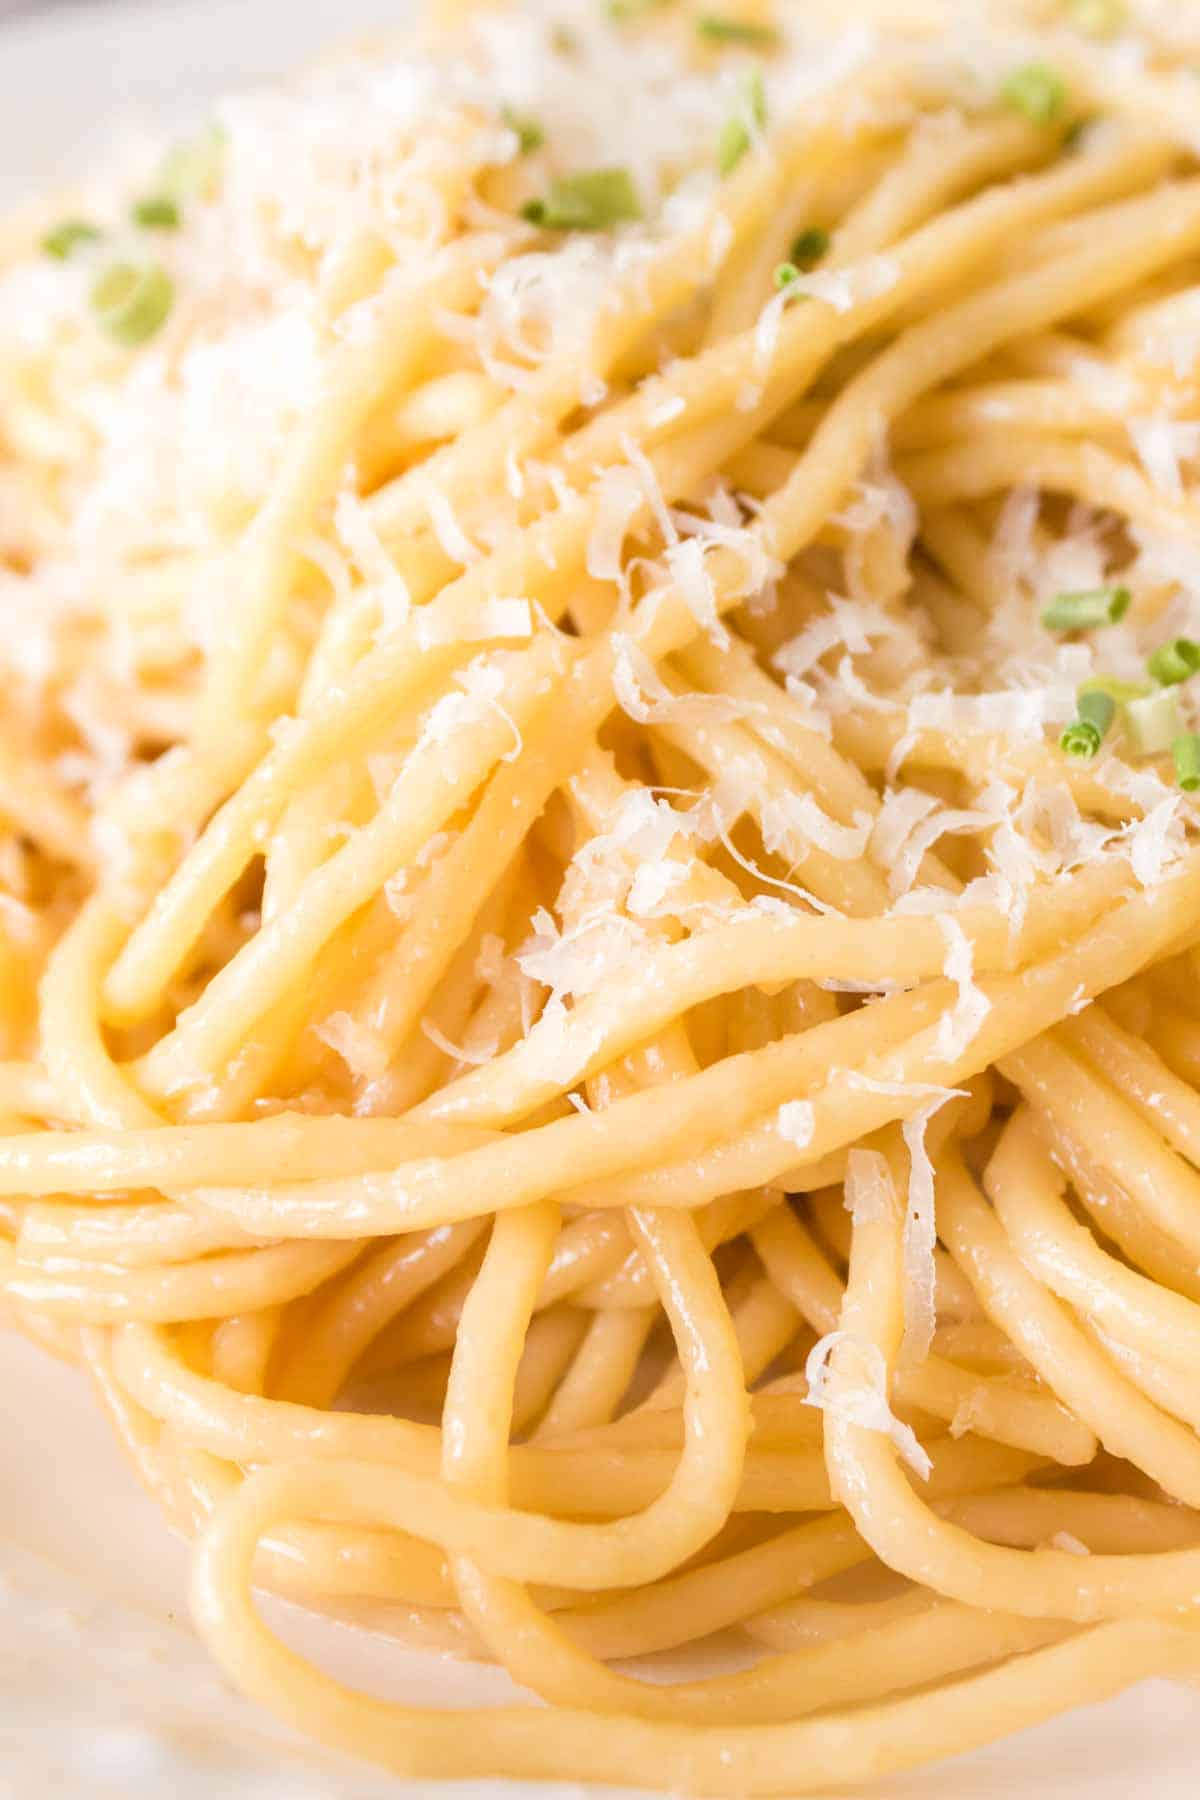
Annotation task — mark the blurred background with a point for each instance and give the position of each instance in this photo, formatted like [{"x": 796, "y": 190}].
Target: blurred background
[
  {"x": 10, "y": 8},
  {"x": 74, "y": 69}
]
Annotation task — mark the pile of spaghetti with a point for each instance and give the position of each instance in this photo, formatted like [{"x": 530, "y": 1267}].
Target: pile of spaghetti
[{"x": 601, "y": 898}]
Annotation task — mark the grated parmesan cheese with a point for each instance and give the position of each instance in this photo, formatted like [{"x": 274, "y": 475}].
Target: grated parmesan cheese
[
  {"x": 796, "y": 1123},
  {"x": 1162, "y": 444},
  {"x": 1156, "y": 842},
  {"x": 361, "y": 1049},
  {"x": 920, "y": 1227},
  {"x": 473, "y": 1055},
  {"x": 479, "y": 686},
  {"x": 869, "y": 1194},
  {"x": 957, "y": 1028},
  {"x": 446, "y": 528},
  {"x": 355, "y": 529},
  {"x": 645, "y": 697},
  {"x": 866, "y": 1403},
  {"x": 789, "y": 815},
  {"x": 621, "y": 499}
]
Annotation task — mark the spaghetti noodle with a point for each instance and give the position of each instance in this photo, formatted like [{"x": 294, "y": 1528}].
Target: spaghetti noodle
[{"x": 601, "y": 896}]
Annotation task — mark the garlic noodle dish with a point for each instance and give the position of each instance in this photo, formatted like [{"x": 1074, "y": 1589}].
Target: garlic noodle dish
[{"x": 600, "y": 874}]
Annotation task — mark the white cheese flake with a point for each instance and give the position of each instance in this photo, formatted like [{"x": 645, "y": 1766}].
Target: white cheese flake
[
  {"x": 645, "y": 696},
  {"x": 474, "y": 1055},
  {"x": 796, "y": 1122},
  {"x": 870, "y": 1196},
  {"x": 920, "y": 1227},
  {"x": 958, "y": 1027},
  {"x": 865, "y": 1402}
]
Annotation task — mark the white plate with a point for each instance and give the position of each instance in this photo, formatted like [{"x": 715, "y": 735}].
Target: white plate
[{"x": 103, "y": 1689}]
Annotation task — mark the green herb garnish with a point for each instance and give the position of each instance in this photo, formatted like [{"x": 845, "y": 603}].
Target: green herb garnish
[
  {"x": 590, "y": 201},
  {"x": 192, "y": 171},
  {"x": 749, "y": 116},
  {"x": 1116, "y": 689},
  {"x": 623, "y": 11},
  {"x": 1098, "y": 18},
  {"x": 1076, "y": 131},
  {"x": 808, "y": 249},
  {"x": 530, "y": 132},
  {"x": 157, "y": 212},
  {"x": 721, "y": 30},
  {"x": 132, "y": 301},
  {"x": 1087, "y": 731},
  {"x": 1175, "y": 661},
  {"x": 1036, "y": 90},
  {"x": 1086, "y": 611},
  {"x": 1186, "y": 752},
  {"x": 64, "y": 240}
]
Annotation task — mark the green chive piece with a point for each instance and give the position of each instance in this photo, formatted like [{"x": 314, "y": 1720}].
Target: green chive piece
[
  {"x": 1085, "y": 734},
  {"x": 1097, "y": 708},
  {"x": 1116, "y": 689},
  {"x": 530, "y": 132},
  {"x": 131, "y": 301},
  {"x": 749, "y": 116},
  {"x": 192, "y": 171},
  {"x": 157, "y": 212},
  {"x": 1186, "y": 752},
  {"x": 1099, "y": 18},
  {"x": 1152, "y": 723},
  {"x": 1174, "y": 662},
  {"x": 721, "y": 30},
  {"x": 624, "y": 11},
  {"x": 64, "y": 240},
  {"x": 590, "y": 201},
  {"x": 808, "y": 249},
  {"x": 1080, "y": 740},
  {"x": 1036, "y": 90},
  {"x": 1083, "y": 612},
  {"x": 786, "y": 277}
]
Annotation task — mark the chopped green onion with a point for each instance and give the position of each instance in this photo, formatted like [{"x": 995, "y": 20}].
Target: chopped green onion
[
  {"x": 192, "y": 171},
  {"x": 1186, "y": 752},
  {"x": 721, "y": 30},
  {"x": 590, "y": 201},
  {"x": 786, "y": 277},
  {"x": 1084, "y": 735},
  {"x": 157, "y": 212},
  {"x": 132, "y": 302},
  {"x": 1083, "y": 612},
  {"x": 1152, "y": 723},
  {"x": 1036, "y": 90},
  {"x": 1098, "y": 18},
  {"x": 1175, "y": 662},
  {"x": 1097, "y": 708},
  {"x": 1116, "y": 689},
  {"x": 530, "y": 132},
  {"x": 64, "y": 240},
  {"x": 749, "y": 116},
  {"x": 809, "y": 247},
  {"x": 622, "y": 11},
  {"x": 1080, "y": 739}
]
